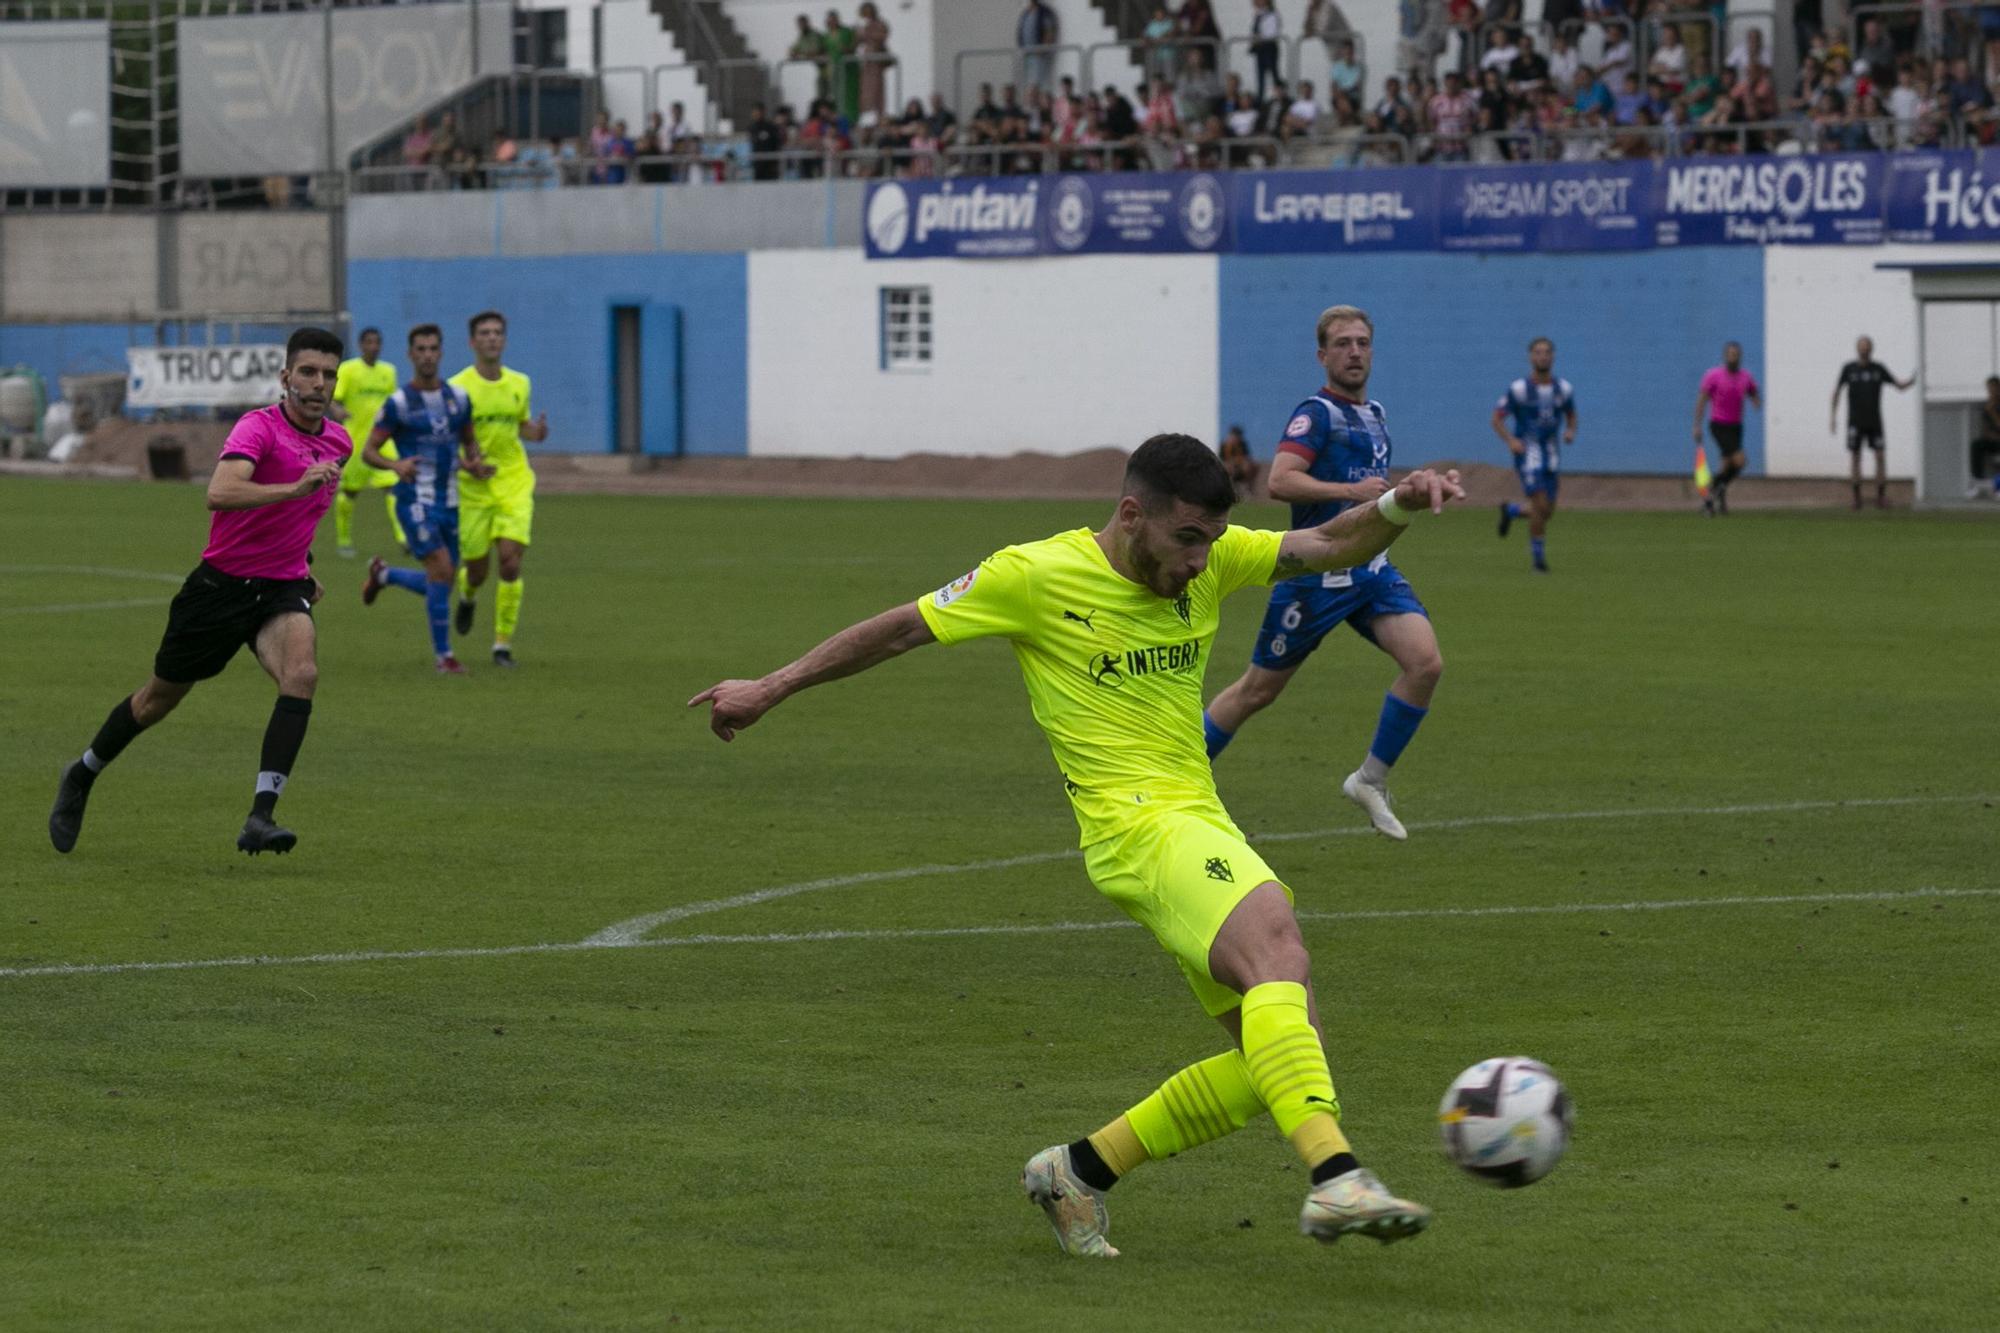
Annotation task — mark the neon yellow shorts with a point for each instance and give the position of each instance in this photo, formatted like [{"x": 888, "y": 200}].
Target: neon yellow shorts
[
  {"x": 481, "y": 523},
  {"x": 356, "y": 476},
  {"x": 1180, "y": 874}
]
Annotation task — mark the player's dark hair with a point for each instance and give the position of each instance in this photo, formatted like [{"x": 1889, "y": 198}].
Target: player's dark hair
[
  {"x": 425, "y": 331},
  {"x": 1537, "y": 342},
  {"x": 472, "y": 325},
  {"x": 311, "y": 340},
  {"x": 1178, "y": 467},
  {"x": 365, "y": 332}
]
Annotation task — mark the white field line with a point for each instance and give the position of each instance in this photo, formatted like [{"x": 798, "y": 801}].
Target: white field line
[
  {"x": 638, "y": 927},
  {"x": 964, "y": 932},
  {"x": 61, "y": 608},
  {"x": 146, "y": 575},
  {"x": 99, "y": 571}
]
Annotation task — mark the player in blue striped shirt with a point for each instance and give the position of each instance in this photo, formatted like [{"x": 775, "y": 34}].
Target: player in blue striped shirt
[
  {"x": 1335, "y": 453},
  {"x": 1535, "y": 410}
]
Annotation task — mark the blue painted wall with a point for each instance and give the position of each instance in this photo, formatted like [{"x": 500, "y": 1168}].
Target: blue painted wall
[
  {"x": 558, "y": 312},
  {"x": 1633, "y": 333},
  {"x": 69, "y": 349}
]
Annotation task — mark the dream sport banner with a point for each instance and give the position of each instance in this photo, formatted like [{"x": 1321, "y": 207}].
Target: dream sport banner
[
  {"x": 1573, "y": 206},
  {"x": 1805, "y": 199},
  {"x": 1944, "y": 196}
]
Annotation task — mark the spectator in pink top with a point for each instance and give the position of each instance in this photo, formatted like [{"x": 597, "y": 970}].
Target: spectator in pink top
[
  {"x": 274, "y": 482},
  {"x": 1723, "y": 390}
]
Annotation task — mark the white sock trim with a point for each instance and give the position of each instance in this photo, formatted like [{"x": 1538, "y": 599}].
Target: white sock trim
[
  {"x": 271, "y": 782},
  {"x": 92, "y": 762}
]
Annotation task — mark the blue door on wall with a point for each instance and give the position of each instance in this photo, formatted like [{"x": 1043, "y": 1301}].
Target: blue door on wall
[{"x": 645, "y": 366}]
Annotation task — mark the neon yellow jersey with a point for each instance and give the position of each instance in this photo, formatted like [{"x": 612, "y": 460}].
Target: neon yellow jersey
[
  {"x": 362, "y": 389},
  {"x": 498, "y": 409},
  {"x": 1113, "y": 670}
]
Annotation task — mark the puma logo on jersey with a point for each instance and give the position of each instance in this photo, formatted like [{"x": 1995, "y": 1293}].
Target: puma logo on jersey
[{"x": 1083, "y": 620}]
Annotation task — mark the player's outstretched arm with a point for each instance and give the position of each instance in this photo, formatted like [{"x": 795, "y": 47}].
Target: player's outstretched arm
[
  {"x": 1356, "y": 536},
  {"x": 735, "y": 704},
  {"x": 230, "y": 486}
]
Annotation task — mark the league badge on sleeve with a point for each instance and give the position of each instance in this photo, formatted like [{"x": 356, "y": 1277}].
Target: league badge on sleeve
[
  {"x": 956, "y": 589},
  {"x": 1300, "y": 426}
]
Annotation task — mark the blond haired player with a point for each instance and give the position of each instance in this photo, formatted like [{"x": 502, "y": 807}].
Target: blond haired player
[
  {"x": 1112, "y": 630},
  {"x": 361, "y": 386},
  {"x": 496, "y": 514}
]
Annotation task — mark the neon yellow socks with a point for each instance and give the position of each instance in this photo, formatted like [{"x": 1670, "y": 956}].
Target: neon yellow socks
[
  {"x": 395, "y": 524},
  {"x": 1287, "y": 1067},
  {"x": 343, "y": 519},
  {"x": 506, "y": 611}
]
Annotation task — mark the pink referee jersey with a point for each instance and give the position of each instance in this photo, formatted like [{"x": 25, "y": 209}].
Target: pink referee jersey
[
  {"x": 271, "y": 541},
  {"x": 1726, "y": 390}
]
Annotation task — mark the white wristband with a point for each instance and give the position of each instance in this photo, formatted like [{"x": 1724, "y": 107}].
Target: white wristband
[{"x": 1394, "y": 512}]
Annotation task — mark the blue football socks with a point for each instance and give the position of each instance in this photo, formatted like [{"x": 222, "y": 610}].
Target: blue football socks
[
  {"x": 1399, "y": 723},
  {"x": 413, "y": 579},
  {"x": 437, "y": 597}
]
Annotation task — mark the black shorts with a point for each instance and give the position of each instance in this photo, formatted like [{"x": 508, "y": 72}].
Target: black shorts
[
  {"x": 1860, "y": 436},
  {"x": 214, "y": 614},
  {"x": 1728, "y": 436}
]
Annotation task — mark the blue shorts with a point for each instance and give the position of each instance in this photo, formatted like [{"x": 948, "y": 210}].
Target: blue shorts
[
  {"x": 1304, "y": 611},
  {"x": 1538, "y": 481},
  {"x": 428, "y": 527}
]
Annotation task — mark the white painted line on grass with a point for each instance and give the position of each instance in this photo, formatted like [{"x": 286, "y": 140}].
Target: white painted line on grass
[
  {"x": 637, "y": 928},
  {"x": 959, "y": 932},
  {"x": 149, "y": 575},
  {"x": 64, "y": 607}
]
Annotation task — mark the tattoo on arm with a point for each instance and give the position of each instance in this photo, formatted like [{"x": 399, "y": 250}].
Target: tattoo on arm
[{"x": 1290, "y": 565}]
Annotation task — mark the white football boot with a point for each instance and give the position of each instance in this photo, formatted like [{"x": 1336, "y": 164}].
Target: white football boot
[
  {"x": 1075, "y": 1210},
  {"x": 1373, "y": 797},
  {"x": 1357, "y": 1203}
]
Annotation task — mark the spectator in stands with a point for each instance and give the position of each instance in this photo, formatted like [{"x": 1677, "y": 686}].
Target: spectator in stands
[
  {"x": 1628, "y": 101},
  {"x": 1271, "y": 115},
  {"x": 1197, "y": 90},
  {"x": 1966, "y": 94},
  {"x": 1421, "y": 33},
  {"x": 841, "y": 41},
  {"x": 1589, "y": 94},
  {"x": 1345, "y": 74},
  {"x": 1529, "y": 73},
  {"x": 1121, "y": 123},
  {"x": 1240, "y": 464},
  {"x": 1324, "y": 21},
  {"x": 872, "y": 41},
  {"x": 1232, "y": 85},
  {"x": 1242, "y": 119},
  {"x": 767, "y": 139},
  {"x": 1159, "y": 44},
  {"x": 1197, "y": 24},
  {"x": 618, "y": 156},
  {"x": 1038, "y": 26},
  {"x": 1756, "y": 94},
  {"x": 1502, "y": 50},
  {"x": 417, "y": 147},
  {"x": 1452, "y": 114},
  {"x": 1563, "y": 60},
  {"x": 1701, "y": 89},
  {"x": 1265, "y": 30},
  {"x": 601, "y": 133},
  {"x": 649, "y": 150},
  {"x": 985, "y": 116},
  {"x": 811, "y": 45},
  {"x": 1162, "y": 116},
  {"x": 1616, "y": 58},
  {"x": 1393, "y": 113},
  {"x": 1806, "y": 90},
  {"x": 1065, "y": 110},
  {"x": 1302, "y": 115},
  {"x": 1748, "y": 51},
  {"x": 943, "y": 124},
  {"x": 449, "y": 150},
  {"x": 1670, "y": 59}
]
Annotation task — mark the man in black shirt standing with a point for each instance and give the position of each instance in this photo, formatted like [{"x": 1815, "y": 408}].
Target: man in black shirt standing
[
  {"x": 1863, "y": 379},
  {"x": 767, "y": 140}
]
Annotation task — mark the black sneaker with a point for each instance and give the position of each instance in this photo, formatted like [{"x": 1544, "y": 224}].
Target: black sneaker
[
  {"x": 461, "y": 619},
  {"x": 1506, "y": 518},
  {"x": 1541, "y": 566},
  {"x": 261, "y": 835},
  {"x": 504, "y": 657},
  {"x": 66, "y": 818},
  {"x": 1722, "y": 501},
  {"x": 1708, "y": 507}
]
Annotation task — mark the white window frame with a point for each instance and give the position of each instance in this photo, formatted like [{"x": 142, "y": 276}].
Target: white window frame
[{"x": 906, "y": 332}]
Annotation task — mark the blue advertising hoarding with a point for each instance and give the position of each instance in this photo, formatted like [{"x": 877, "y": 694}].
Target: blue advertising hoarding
[
  {"x": 1132, "y": 212},
  {"x": 1809, "y": 199},
  {"x": 1326, "y": 212},
  {"x": 1943, "y": 196},
  {"x": 1573, "y": 206},
  {"x": 966, "y": 217}
]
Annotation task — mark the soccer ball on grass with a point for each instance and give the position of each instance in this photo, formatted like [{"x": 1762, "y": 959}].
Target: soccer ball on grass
[{"x": 1505, "y": 1121}]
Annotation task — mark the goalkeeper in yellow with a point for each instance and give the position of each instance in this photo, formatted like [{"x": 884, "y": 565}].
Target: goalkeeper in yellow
[
  {"x": 1112, "y": 630},
  {"x": 496, "y": 515},
  {"x": 360, "y": 387}
]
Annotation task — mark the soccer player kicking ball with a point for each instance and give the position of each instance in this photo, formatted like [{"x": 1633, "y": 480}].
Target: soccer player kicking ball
[
  {"x": 497, "y": 514},
  {"x": 431, "y": 422},
  {"x": 273, "y": 483},
  {"x": 1542, "y": 407},
  {"x": 1334, "y": 457},
  {"x": 1113, "y": 630}
]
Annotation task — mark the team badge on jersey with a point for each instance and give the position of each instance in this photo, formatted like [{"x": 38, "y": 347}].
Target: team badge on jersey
[{"x": 956, "y": 589}]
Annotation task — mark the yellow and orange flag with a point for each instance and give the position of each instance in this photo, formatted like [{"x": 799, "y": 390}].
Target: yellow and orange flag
[{"x": 1702, "y": 476}]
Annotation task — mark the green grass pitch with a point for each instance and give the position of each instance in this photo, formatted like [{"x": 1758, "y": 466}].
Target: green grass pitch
[{"x": 1766, "y": 745}]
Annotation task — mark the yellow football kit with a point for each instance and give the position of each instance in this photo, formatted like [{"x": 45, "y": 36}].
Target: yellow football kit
[
  {"x": 362, "y": 389},
  {"x": 502, "y": 505},
  {"x": 1114, "y": 675}
]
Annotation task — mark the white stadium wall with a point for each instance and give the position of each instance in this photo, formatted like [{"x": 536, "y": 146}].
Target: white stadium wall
[{"x": 1057, "y": 356}]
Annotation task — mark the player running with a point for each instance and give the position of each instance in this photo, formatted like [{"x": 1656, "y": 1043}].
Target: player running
[
  {"x": 1334, "y": 456},
  {"x": 1541, "y": 405},
  {"x": 273, "y": 483},
  {"x": 431, "y": 423},
  {"x": 1863, "y": 378},
  {"x": 496, "y": 514},
  {"x": 1112, "y": 630},
  {"x": 1723, "y": 391},
  {"x": 358, "y": 392}
]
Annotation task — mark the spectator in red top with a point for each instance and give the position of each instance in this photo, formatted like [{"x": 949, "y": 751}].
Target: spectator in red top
[
  {"x": 1453, "y": 113},
  {"x": 1756, "y": 94}
]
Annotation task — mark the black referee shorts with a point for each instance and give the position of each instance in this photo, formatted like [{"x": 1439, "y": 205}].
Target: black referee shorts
[
  {"x": 214, "y": 614},
  {"x": 1728, "y": 436},
  {"x": 1864, "y": 437}
]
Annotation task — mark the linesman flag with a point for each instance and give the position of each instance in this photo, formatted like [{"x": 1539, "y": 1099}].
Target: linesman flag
[{"x": 1702, "y": 476}]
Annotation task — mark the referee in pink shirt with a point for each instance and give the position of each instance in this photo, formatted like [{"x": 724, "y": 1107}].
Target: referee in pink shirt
[
  {"x": 1723, "y": 390},
  {"x": 275, "y": 480}
]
